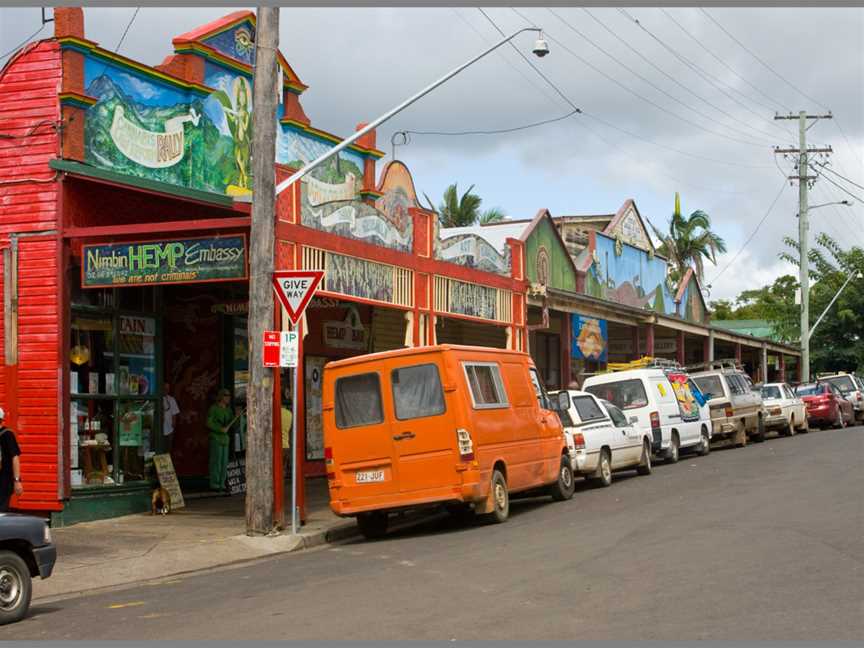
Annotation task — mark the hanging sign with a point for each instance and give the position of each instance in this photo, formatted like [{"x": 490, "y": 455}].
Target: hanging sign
[
  {"x": 295, "y": 289},
  {"x": 589, "y": 338},
  {"x": 164, "y": 262}
]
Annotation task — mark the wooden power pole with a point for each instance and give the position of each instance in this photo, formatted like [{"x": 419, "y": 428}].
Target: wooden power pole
[{"x": 259, "y": 391}]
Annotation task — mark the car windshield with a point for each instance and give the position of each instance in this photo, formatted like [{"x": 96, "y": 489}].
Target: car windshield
[
  {"x": 809, "y": 390},
  {"x": 626, "y": 394},
  {"x": 771, "y": 391},
  {"x": 710, "y": 385},
  {"x": 843, "y": 383}
]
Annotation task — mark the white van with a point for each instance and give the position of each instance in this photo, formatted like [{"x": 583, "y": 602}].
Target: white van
[{"x": 664, "y": 403}]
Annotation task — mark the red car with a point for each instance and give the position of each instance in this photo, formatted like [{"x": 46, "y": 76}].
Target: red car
[{"x": 826, "y": 405}]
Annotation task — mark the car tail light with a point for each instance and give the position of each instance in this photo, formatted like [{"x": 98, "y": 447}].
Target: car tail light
[
  {"x": 729, "y": 412},
  {"x": 328, "y": 460},
  {"x": 655, "y": 420},
  {"x": 466, "y": 445},
  {"x": 579, "y": 441}
]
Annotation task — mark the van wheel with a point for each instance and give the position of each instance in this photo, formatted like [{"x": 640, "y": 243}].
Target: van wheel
[
  {"x": 644, "y": 467},
  {"x": 705, "y": 446},
  {"x": 500, "y": 499},
  {"x": 373, "y": 525},
  {"x": 603, "y": 475},
  {"x": 564, "y": 486},
  {"x": 16, "y": 587},
  {"x": 672, "y": 452}
]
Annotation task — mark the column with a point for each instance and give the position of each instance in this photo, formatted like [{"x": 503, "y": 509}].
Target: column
[
  {"x": 710, "y": 357},
  {"x": 738, "y": 352},
  {"x": 636, "y": 350},
  {"x": 680, "y": 351},
  {"x": 782, "y": 363},
  {"x": 566, "y": 342},
  {"x": 764, "y": 362},
  {"x": 649, "y": 340}
]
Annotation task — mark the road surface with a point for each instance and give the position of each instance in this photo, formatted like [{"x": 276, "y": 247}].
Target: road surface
[{"x": 764, "y": 542}]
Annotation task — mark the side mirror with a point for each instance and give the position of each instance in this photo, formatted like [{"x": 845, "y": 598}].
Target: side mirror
[
  {"x": 633, "y": 420},
  {"x": 563, "y": 401}
]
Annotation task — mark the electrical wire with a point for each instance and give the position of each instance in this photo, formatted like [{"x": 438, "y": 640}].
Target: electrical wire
[
  {"x": 720, "y": 60},
  {"x": 494, "y": 131},
  {"x": 755, "y": 56},
  {"x": 839, "y": 186},
  {"x": 848, "y": 143},
  {"x": 636, "y": 94},
  {"x": 126, "y": 31},
  {"x": 825, "y": 167},
  {"x": 22, "y": 44},
  {"x": 658, "y": 88},
  {"x": 707, "y": 102},
  {"x": 749, "y": 238},
  {"x": 701, "y": 72}
]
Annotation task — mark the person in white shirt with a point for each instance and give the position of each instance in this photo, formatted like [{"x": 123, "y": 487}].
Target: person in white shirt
[{"x": 171, "y": 410}]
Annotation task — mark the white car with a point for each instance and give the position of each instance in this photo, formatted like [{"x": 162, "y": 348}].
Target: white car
[
  {"x": 664, "y": 404},
  {"x": 600, "y": 437},
  {"x": 784, "y": 411}
]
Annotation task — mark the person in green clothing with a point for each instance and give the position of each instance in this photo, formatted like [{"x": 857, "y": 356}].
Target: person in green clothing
[{"x": 219, "y": 418}]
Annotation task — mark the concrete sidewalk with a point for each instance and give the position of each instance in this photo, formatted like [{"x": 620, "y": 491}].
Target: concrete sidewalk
[{"x": 208, "y": 532}]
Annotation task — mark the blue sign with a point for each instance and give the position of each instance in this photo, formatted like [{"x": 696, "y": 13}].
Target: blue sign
[{"x": 589, "y": 339}]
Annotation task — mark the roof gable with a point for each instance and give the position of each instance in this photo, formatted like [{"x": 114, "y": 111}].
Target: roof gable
[{"x": 628, "y": 225}]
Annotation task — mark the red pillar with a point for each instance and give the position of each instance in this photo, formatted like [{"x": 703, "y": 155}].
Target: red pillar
[
  {"x": 566, "y": 342},
  {"x": 681, "y": 355},
  {"x": 737, "y": 352},
  {"x": 782, "y": 364},
  {"x": 649, "y": 340},
  {"x": 706, "y": 349},
  {"x": 637, "y": 351}
]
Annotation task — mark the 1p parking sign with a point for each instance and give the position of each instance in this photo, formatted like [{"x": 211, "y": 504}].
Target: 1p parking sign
[{"x": 289, "y": 349}]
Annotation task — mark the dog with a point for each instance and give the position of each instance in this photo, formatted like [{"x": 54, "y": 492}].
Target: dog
[{"x": 160, "y": 502}]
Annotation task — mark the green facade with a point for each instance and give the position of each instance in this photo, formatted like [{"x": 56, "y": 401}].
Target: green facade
[{"x": 544, "y": 247}]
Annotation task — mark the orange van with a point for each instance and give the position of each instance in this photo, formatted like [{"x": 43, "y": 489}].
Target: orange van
[{"x": 441, "y": 425}]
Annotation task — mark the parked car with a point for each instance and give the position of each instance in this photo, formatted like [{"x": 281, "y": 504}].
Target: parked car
[
  {"x": 602, "y": 438},
  {"x": 26, "y": 551},
  {"x": 442, "y": 425},
  {"x": 852, "y": 389},
  {"x": 826, "y": 406},
  {"x": 785, "y": 412},
  {"x": 736, "y": 410},
  {"x": 663, "y": 403}
]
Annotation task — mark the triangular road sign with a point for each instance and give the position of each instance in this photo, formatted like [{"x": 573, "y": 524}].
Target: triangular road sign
[{"x": 295, "y": 289}]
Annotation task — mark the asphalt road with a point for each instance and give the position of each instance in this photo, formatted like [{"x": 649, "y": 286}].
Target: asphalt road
[{"x": 764, "y": 542}]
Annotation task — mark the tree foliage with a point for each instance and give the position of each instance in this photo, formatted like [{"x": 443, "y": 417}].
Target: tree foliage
[
  {"x": 463, "y": 211},
  {"x": 774, "y": 303}
]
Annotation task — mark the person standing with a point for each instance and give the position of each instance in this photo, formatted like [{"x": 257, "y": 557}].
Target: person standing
[
  {"x": 219, "y": 420},
  {"x": 10, "y": 465},
  {"x": 169, "y": 417}
]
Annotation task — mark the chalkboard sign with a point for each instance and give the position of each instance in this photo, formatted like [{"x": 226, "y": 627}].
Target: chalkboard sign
[
  {"x": 236, "y": 481},
  {"x": 168, "y": 479}
]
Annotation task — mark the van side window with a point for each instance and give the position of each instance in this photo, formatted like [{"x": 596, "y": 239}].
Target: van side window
[
  {"x": 736, "y": 384},
  {"x": 626, "y": 394},
  {"x": 417, "y": 392},
  {"x": 617, "y": 416},
  {"x": 542, "y": 398},
  {"x": 358, "y": 401},
  {"x": 588, "y": 409},
  {"x": 484, "y": 380}
]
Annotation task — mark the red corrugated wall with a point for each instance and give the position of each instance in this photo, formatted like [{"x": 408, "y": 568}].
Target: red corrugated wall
[{"x": 29, "y": 195}]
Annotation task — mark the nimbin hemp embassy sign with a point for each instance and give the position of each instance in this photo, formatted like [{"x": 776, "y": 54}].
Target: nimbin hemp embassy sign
[{"x": 164, "y": 262}]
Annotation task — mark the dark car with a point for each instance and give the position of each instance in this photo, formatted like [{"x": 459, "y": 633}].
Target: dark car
[
  {"x": 826, "y": 405},
  {"x": 26, "y": 551}
]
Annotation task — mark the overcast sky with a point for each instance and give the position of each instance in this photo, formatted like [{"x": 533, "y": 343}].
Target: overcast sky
[{"x": 360, "y": 62}]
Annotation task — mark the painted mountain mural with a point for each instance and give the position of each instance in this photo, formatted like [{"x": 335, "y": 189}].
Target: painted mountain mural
[{"x": 178, "y": 143}]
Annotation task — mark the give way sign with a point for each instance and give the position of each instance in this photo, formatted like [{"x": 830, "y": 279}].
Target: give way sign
[{"x": 295, "y": 289}]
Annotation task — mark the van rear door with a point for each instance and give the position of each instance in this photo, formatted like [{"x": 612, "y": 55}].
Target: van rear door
[
  {"x": 361, "y": 440},
  {"x": 424, "y": 437}
]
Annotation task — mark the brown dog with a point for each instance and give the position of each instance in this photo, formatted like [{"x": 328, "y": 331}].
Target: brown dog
[{"x": 160, "y": 502}]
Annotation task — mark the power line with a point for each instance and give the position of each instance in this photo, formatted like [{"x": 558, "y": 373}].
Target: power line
[
  {"x": 839, "y": 186},
  {"x": 654, "y": 85},
  {"x": 633, "y": 92},
  {"x": 494, "y": 131},
  {"x": 749, "y": 238},
  {"x": 825, "y": 167},
  {"x": 726, "y": 65},
  {"x": 755, "y": 56},
  {"x": 707, "y": 102},
  {"x": 848, "y": 143},
  {"x": 126, "y": 31},
  {"x": 22, "y": 44}
]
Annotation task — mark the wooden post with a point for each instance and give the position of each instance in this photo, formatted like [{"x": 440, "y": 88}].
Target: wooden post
[
  {"x": 637, "y": 352},
  {"x": 259, "y": 450},
  {"x": 649, "y": 340},
  {"x": 680, "y": 351}
]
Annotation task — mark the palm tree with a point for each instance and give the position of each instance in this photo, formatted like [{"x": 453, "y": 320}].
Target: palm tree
[
  {"x": 689, "y": 241},
  {"x": 454, "y": 211}
]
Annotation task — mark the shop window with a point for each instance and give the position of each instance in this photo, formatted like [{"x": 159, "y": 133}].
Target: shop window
[
  {"x": 140, "y": 299},
  {"x": 487, "y": 390},
  {"x": 87, "y": 297},
  {"x": 91, "y": 355},
  {"x": 92, "y": 442},
  {"x": 358, "y": 401},
  {"x": 417, "y": 392},
  {"x": 134, "y": 433},
  {"x": 137, "y": 356}
]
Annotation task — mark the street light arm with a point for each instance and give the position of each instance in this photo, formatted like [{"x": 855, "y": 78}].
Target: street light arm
[
  {"x": 282, "y": 186},
  {"x": 831, "y": 303}
]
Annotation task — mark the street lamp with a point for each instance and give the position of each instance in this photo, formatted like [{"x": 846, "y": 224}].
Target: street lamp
[
  {"x": 541, "y": 49},
  {"x": 847, "y": 203}
]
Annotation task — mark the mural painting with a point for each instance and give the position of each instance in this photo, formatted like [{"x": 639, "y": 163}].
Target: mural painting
[
  {"x": 472, "y": 299},
  {"x": 547, "y": 259},
  {"x": 590, "y": 340},
  {"x": 359, "y": 278},
  {"x": 474, "y": 252},
  {"x": 238, "y": 42}
]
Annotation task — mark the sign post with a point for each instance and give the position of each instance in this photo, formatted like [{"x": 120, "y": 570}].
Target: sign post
[{"x": 294, "y": 289}]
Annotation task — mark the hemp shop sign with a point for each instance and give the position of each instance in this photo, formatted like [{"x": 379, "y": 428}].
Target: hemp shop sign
[{"x": 142, "y": 263}]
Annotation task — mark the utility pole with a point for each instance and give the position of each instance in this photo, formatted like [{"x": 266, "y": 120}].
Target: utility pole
[
  {"x": 259, "y": 391},
  {"x": 803, "y": 226}
]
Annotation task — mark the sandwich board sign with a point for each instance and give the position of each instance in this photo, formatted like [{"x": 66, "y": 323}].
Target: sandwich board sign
[{"x": 295, "y": 289}]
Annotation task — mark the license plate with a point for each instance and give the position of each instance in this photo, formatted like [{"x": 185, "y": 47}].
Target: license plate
[{"x": 368, "y": 476}]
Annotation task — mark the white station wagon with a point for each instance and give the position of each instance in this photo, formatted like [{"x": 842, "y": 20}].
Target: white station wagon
[
  {"x": 600, "y": 437},
  {"x": 784, "y": 411}
]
